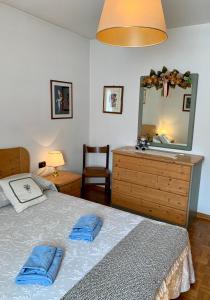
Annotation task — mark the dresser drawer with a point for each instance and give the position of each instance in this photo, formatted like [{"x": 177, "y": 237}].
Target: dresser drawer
[
  {"x": 173, "y": 170},
  {"x": 164, "y": 213},
  {"x": 167, "y": 184},
  {"x": 136, "y": 177},
  {"x": 153, "y": 195},
  {"x": 149, "y": 208},
  {"x": 173, "y": 185}
]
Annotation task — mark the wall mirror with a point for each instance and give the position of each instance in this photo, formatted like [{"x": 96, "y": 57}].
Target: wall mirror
[{"x": 166, "y": 114}]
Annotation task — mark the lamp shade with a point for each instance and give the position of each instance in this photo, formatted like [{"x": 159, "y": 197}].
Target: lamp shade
[
  {"x": 55, "y": 159},
  {"x": 132, "y": 23}
]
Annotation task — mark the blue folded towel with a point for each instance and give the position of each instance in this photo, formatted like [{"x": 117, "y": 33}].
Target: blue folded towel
[
  {"x": 41, "y": 267},
  {"x": 86, "y": 223},
  {"x": 86, "y": 228}
]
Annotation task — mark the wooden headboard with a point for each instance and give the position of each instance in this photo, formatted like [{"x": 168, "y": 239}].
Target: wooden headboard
[{"x": 14, "y": 161}]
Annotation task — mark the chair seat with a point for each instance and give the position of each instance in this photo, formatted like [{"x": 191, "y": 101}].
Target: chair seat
[{"x": 96, "y": 172}]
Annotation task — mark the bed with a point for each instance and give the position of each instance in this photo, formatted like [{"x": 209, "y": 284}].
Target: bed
[{"x": 50, "y": 222}]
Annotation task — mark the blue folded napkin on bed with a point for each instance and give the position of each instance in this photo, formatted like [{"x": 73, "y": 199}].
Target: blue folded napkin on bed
[
  {"x": 86, "y": 228},
  {"x": 41, "y": 267}
]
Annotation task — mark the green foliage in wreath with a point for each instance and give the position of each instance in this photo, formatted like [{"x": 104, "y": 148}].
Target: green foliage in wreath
[{"x": 173, "y": 78}]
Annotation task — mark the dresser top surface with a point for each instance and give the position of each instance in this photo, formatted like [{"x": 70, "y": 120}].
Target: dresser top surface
[{"x": 173, "y": 157}]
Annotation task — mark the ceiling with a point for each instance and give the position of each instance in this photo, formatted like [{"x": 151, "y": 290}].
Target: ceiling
[{"x": 82, "y": 16}]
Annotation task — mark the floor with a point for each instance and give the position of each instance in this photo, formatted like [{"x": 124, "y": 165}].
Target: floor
[{"x": 200, "y": 242}]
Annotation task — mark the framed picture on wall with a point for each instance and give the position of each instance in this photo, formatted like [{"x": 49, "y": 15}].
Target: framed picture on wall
[
  {"x": 61, "y": 99},
  {"x": 113, "y": 99},
  {"x": 186, "y": 102}
]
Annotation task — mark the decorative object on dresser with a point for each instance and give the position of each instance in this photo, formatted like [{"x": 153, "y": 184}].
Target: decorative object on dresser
[
  {"x": 142, "y": 144},
  {"x": 61, "y": 99},
  {"x": 66, "y": 182},
  {"x": 96, "y": 171},
  {"x": 163, "y": 185},
  {"x": 55, "y": 159},
  {"x": 113, "y": 99}
]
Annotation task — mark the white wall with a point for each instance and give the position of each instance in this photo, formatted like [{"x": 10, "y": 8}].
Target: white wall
[
  {"x": 187, "y": 48},
  {"x": 31, "y": 53}
]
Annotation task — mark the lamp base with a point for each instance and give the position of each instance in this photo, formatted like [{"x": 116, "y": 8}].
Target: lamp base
[{"x": 55, "y": 173}]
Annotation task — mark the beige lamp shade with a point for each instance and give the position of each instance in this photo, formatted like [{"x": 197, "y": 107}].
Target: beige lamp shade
[
  {"x": 132, "y": 23},
  {"x": 55, "y": 159}
]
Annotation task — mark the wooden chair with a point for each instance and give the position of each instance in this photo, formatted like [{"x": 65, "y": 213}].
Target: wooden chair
[{"x": 96, "y": 171}]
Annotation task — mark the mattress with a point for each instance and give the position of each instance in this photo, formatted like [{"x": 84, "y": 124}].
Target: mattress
[{"x": 50, "y": 223}]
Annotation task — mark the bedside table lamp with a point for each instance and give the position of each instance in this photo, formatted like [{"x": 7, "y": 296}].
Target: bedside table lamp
[{"x": 55, "y": 159}]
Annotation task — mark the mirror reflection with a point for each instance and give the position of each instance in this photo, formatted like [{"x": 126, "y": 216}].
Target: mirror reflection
[
  {"x": 165, "y": 120},
  {"x": 167, "y": 108}
]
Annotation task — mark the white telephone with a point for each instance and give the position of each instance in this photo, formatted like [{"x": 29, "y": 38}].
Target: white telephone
[{"x": 164, "y": 139}]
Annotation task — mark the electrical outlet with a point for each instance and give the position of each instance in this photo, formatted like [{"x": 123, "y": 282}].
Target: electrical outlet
[{"x": 42, "y": 164}]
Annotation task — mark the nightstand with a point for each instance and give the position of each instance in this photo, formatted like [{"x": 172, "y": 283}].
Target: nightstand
[{"x": 67, "y": 182}]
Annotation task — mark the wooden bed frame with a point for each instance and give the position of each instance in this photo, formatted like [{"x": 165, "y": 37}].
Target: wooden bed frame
[{"x": 14, "y": 161}]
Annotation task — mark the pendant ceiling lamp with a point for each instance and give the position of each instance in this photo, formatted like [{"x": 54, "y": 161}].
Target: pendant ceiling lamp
[{"x": 132, "y": 23}]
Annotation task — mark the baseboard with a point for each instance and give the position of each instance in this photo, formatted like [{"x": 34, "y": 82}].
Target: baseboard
[{"x": 203, "y": 216}]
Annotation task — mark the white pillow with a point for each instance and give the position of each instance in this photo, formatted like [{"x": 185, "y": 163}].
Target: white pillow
[
  {"x": 44, "y": 184},
  {"x": 22, "y": 191},
  {"x": 3, "y": 199}
]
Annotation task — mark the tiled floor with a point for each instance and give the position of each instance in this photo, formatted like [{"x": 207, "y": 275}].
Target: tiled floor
[{"x": 200, "y": 243}]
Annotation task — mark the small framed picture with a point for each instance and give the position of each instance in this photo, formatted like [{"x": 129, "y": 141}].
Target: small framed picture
[
  {"x": 61, "y": 99},
  {"x": 113, "y": 99},
  {"x": 187, "y": 102}
]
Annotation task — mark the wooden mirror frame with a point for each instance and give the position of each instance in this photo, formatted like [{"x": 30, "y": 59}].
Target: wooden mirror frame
[{"x": 188, "y": 147}]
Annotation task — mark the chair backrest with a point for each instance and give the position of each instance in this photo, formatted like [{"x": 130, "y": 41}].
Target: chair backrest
[{"x": 90, "y": 149}]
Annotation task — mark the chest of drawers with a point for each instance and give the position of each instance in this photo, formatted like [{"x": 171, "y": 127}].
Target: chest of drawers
[{"x": 157, "y": 184}]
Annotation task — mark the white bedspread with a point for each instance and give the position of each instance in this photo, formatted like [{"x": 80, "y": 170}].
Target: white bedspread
[{"x": 49, "y": 223}]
